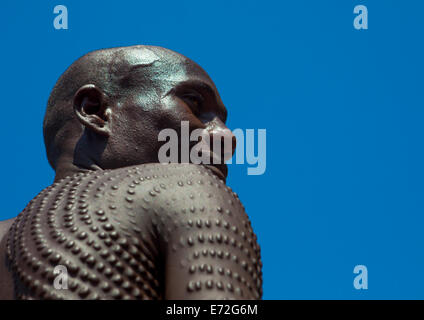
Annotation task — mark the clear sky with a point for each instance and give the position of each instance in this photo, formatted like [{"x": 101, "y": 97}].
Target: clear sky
[{"x": 343, "y": 110}]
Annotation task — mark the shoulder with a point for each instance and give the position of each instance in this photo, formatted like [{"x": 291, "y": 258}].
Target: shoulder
[
  {"x": 204, "y": 232},
  {"x": 181, "y": 190},
  {"x": 149, "y": 190},
  {"x": 165, "y": 200},
  {"x": 159, "y": 184}
]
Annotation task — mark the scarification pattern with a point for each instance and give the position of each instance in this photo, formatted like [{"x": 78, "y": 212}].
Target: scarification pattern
[{"x": 148, "y": 232}]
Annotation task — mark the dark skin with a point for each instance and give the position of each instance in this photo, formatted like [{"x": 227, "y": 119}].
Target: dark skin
[{"x": 113, "y": 144}]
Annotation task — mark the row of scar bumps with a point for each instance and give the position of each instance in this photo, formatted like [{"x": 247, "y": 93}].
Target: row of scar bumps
[{"x": 107, "y": 252}]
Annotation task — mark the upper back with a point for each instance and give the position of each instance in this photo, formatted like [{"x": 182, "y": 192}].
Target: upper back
[{"x": 103, "y": 228}]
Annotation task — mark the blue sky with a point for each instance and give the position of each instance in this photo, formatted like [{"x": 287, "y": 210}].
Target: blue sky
[{"x": 343, "y": 110}]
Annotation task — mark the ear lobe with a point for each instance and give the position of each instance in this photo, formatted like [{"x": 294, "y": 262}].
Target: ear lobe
[{"x": 91, "y": 109}]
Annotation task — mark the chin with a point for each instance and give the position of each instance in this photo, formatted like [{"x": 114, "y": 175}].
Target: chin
[{"x": 220, "y": 170}]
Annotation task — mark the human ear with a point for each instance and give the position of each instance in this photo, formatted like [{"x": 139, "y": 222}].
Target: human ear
[{"x": 90, "y": 107}]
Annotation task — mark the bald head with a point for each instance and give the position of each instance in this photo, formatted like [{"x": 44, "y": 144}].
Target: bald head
[{"x": 107, "y": 108}]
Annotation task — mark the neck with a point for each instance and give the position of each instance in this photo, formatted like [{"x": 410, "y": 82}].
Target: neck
[{"x": 66, "y": 167}]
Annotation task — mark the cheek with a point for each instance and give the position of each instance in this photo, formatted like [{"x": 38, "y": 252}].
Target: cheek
[
  {"x": 174, "y": 111},
  {"x": 134, "y": 134},
  {"x": 136, "y": 127}
]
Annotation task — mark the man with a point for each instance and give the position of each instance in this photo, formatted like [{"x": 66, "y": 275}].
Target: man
[{"x": 116, "y": 223}]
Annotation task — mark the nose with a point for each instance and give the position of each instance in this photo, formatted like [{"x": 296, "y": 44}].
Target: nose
[{"x": 220, "y": 135}]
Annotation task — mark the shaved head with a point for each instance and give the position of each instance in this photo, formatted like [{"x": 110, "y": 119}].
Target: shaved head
[{"x": 135, "y": 91}]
